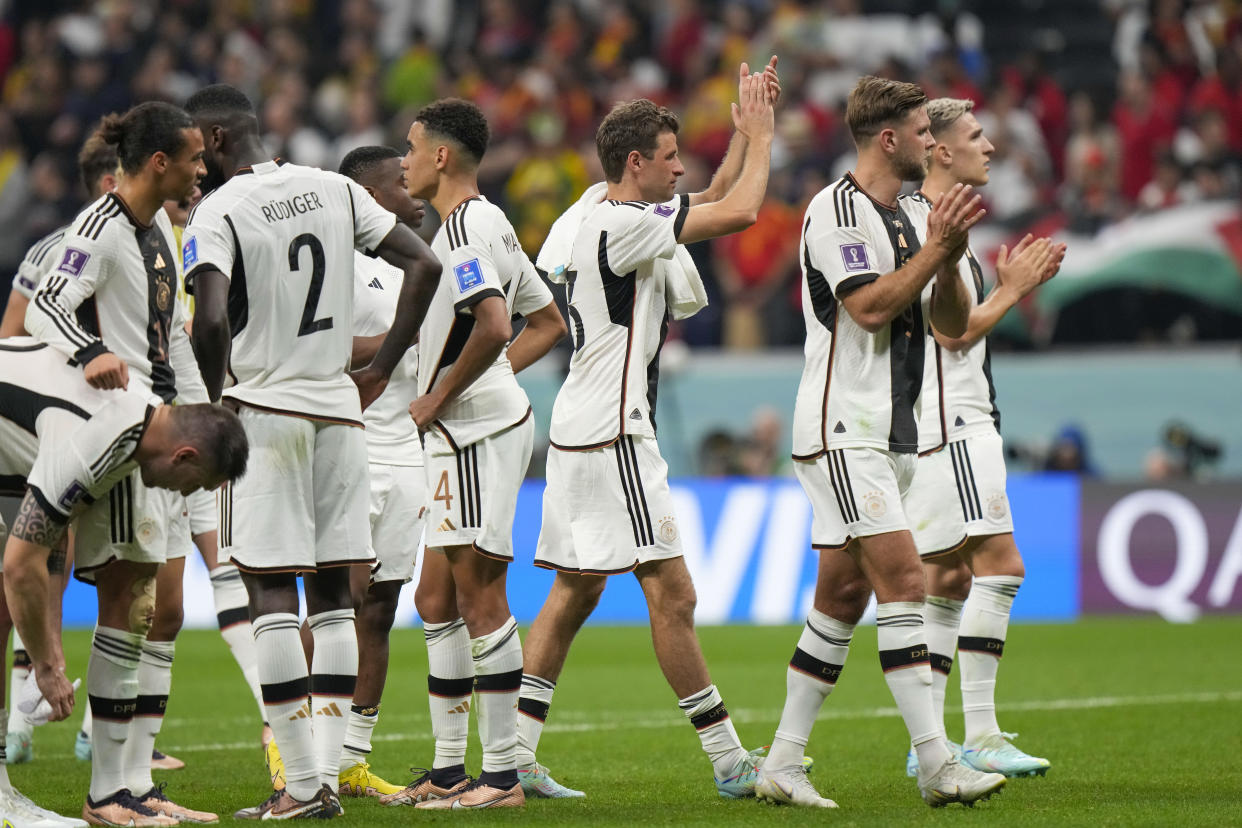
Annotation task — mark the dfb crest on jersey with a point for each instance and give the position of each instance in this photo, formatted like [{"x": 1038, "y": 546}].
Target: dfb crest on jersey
[
  {"x": 469, "y": 275},
  {"x": 855, "y": 257},
  {"x": 72, "y": 262}
]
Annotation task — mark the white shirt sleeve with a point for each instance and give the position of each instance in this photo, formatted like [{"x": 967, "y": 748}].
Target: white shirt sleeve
[
  {"x": 81, "y": 266},
  {"x": 471, "y": 273},
  {"x": 371, "y": 221},
  {"x": 207, "y": 242},
  {"x": 530, "y": 294},
  {"x": 650, "y": 234},
  {"x": 845, "y": 255}
]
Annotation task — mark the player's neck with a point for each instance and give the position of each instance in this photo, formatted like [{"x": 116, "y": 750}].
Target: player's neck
[
  {"x": 153, "y": 436},
  {"x": 141, "y": 198},
  {"x": 625, "y": 190},
  {"x": 936, "y": 183},
  {"x": 877, "y": 180},
  {"x": 453, "y": 190},
  {"x": 249, "y": 151}
]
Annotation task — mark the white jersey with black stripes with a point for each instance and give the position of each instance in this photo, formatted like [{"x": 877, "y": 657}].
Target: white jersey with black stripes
[
  {"x": 858, "y": 389},
  {"x": 68, "y": 441},
  {"x": 38, "y": 260},
  {"x": 285, "y": 236},
  {"x": 618, "y": 320},
  {"x": 113, "y": 287},
  {"x": 479, "y": 250}
]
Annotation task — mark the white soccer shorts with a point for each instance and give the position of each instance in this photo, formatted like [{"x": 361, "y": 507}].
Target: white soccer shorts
[
  {"x": 607, "y": 510},
  {"x": 472, "y": 490},
  {"x": 959, "y": 492},
  {"x": 302, "y": 503},
  {"x": 855, "y": 493},
  {"x": 130, "y": 523},
  {"x": 398, "y": 500}
]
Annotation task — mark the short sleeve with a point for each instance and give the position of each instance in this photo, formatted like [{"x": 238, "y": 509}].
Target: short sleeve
[
  {"x": 73, "y": 468},
  {"x": 371, "y": 221},
  {"x": 530, "y": 294},
  {"x": 845, "y": 255},
  {"x": 26, "y": 281},
  {"x": 207, "y": 243},
  {"x": 471, "y": 271},
  {"x": 649, "y": 233}
]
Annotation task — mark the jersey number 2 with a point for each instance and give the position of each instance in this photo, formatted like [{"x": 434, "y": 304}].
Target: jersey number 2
[{"x": 318, "y": 267}]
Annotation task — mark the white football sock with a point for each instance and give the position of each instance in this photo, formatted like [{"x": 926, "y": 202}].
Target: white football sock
[
  {"x": 813, "y": 671},
  {"x": 286, "y": 685},
  {"x": 980, "y": 644},
  {"x": 334, "y": 672},
  {"x": 233, "y": 616},
  {"x": 498, "y": 679},
  {"x": 941, "y": 617},
  {"x": 154, "y": 683},
  {"x": 706, "y": 711},
  {"x": 533, "y": 704},
  {"x": 112, "y": 686},
  {"x": 450, "y": 685},
  {"x": 903, "y": 657},
  {"x": 358, "y": 730}
]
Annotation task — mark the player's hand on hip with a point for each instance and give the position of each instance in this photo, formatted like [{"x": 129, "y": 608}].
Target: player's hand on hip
[
  {"x": 952, "y": 215},
  {"x": 424, "y": 410},
  {"x": 107, "y": 371},
  {"x": 370, "y": 385}
]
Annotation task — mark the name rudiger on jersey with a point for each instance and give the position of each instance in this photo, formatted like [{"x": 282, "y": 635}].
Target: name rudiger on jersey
[
  {"x": 284, "y": 208},
  {"x": 72, "y": 262},
  {"x": 855, "y": 257}
]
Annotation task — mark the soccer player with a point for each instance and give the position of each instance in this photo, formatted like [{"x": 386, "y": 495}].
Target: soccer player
[
  {"x": 97, "y": 166},
  {"x": 965, "y": 478},
  {"x": 856, "y": 430},
  {"x": 478, "y": 436},
  {"x": 268, "y": 254},
  {"x": 110, "y": 304},
  {"x": 66, "y": 445},
  {"x": 395, "y": 465},
  {"x": 607, "y": 507}
]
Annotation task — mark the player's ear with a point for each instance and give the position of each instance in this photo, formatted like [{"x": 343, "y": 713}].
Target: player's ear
[
  {"x": 159, "y": 162},
  {"x": 943, "y": 155},
  {"x": 634, "y": 161},
  {"x": 442, "y": 157},
  {"x": 888, "y": 139},
  {"x": 185, "y": 454}
]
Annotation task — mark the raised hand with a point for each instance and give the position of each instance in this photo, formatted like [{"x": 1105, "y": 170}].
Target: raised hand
[
  {"x": 772, "y": 80},
  {"x": 752, "y": 114},
  {"x": 1023, "y": 269}
]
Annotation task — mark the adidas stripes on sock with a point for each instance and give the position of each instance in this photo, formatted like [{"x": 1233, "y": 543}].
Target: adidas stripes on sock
[
  {"x": 706, "y": 711},
  {"x": 233, "y": 616},
  {"x": 980, "y": 644},
  {"x": 285, "y": 686},
  {"x": 498, "y": 679},
  {"x": 450, "y": 684},
  {"x": 334, "y": 672},
  {"x": 941, "y": 617},
  {"x": 813, "y": 672},
  {"x": 112, "y": 687},
  {"x": 154, "y": 682},
  {"x": 358, "y": 730},
  {"x": 533, "y": 704},
  {"x": 907, "y": 671}
]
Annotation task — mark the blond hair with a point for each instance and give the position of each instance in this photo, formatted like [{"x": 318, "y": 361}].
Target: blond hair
[{"x": 944, "y": 113}]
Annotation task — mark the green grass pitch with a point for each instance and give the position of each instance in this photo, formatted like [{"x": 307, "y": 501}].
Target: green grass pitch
[{"x": 1142, "y": 721}]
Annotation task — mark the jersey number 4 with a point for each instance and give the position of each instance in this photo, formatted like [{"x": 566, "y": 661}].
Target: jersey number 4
[
  {"x": 442, "y": 492},
  {"x": 318, "y": 267}
]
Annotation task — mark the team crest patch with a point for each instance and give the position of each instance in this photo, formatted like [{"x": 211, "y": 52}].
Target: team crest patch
[
  {"x": 874, "y": 504},
  {"x": 998, "y": 505},
  {"x": 189, "y": 253},
  {"x": 469, "y": 275},
  {"x": 664, "y": 210},
  {"x": 72, "y": 262},
  {"x": 668, "y": 529},
  {"x": 855, "y": 257}
]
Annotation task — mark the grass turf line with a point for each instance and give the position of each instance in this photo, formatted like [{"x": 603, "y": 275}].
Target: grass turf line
[{"x": 1124, "y": 709}]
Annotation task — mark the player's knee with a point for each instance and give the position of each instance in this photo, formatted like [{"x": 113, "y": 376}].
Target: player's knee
[
  {"x": 677, "y": 605},
  {"x": 435, "y": 603},
  {"x": 166, "y": 621},
  {"x": 142, "y": 604},
  {"x": 378, "y": 611}
]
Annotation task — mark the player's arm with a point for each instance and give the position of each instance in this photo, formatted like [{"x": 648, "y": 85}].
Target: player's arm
[
  {"x": 1030, "y": 264},
  {"x": 487, "y": 339},
  {"x": 731, "y": 166},
  {"x": 950, "y": 301},
  {"x": 365, "y": 348},
  {"x": 739, "y": 208},
  {"x": 37, "y": 530},
  {"x": 544, "y": 328},
  {"x": 80, "y": 271},
  {"x": 14, "y": 321},
  {"x": 190, "y": 387},
  {"x": 213, "y": 337},
  {"x": 876, "y": 303},
  {"x": 403, "y": 249}
]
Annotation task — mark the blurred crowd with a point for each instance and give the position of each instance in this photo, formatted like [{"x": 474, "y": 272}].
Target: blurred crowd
[{"x": 330, "y": 75}]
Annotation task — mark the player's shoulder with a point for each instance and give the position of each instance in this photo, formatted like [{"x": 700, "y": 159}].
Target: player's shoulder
[
  {"x": 98, "y": 219},
  {"x": 41, "y": 251},
  {"x": 838, "y": 203},
  {"x": 916, "y": 202},
  {"x": 475, "y": 221}
]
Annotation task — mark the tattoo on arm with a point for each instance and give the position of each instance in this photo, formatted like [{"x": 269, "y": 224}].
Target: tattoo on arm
[{"x": 34, "y": 525}]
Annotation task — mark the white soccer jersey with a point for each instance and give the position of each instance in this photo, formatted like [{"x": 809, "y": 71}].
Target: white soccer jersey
[
  {"x": 38, "y": 261},
  {"x": 858, "y": 389},
  {"x": 618, "y": 320},
  {"x": 481, "y": 257},
  {"x": 70, "y": 442},
  {"x": 113, "y": 288},
  {"x": 392, "y": 436},
  {"x": 285, "y": 237},
  {"x": 959, "y": 399}
]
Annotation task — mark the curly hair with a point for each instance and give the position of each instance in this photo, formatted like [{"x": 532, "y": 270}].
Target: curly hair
[
  {"x": 358, "y": 162},
  {"x": 459, "y": 121},
  {"x": 631, "y": 126}
]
